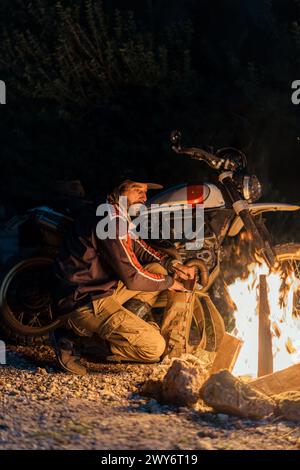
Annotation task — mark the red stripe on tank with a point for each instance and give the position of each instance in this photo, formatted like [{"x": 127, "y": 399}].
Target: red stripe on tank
[{"x": 195, "y": 194}]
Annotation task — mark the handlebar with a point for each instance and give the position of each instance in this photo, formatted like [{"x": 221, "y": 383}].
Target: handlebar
[
  {"x": 198, "y": 154},
  {"x": 215, "y": 161}
]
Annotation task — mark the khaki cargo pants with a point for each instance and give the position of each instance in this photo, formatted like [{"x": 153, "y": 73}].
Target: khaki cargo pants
[{"x": 130, "y": 337}]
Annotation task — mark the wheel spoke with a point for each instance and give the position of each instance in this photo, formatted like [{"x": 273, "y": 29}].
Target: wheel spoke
[
  {"x": 35, "y": 320},
  {"x": 20, "y": 317},
  {"x": 28, "y": 294},
  {"x": 50, "y": 314}
]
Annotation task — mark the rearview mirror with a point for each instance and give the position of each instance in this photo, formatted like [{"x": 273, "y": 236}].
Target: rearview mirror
[{"x": 175, "y": 138}]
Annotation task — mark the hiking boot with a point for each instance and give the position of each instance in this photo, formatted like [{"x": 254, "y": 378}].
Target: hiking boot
[
  {"x": 94, "y": 349},
  {"x": 66, "y": 354}
]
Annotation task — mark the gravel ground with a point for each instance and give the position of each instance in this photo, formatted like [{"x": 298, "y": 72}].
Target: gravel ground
[{"x": 43, "y": 408}]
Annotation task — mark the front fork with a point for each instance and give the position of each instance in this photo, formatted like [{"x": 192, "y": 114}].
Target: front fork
[{"x": 257, "y": 229}]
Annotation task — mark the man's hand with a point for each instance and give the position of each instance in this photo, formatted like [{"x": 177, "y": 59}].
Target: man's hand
[
  {"x": 177, "y": 286},
  {"x": 184, "y": 272}
]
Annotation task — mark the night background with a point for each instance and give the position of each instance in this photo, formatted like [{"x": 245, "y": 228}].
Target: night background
[{"x": 94, "y": 89}]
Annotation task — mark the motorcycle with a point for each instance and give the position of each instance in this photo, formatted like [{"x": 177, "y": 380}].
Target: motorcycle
[
  {"x": 230, "y": 205},
  {"x": 26, "y": 309}
]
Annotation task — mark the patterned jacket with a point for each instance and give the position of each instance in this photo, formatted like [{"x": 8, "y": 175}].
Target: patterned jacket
[{"x": 87, "y": 267}]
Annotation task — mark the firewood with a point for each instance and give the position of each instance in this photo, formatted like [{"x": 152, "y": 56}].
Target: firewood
[
  {"x": 282, "y": 381},
  {"x": 265, "y": 356},
  {"x": 227, "y": 353}
]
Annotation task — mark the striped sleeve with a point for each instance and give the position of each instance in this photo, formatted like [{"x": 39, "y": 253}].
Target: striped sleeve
[
  {"x": 126, "y": 265},
  {"x": 146, "y": 254}
]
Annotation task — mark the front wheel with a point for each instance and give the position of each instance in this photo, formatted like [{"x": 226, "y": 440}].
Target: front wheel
[{"x": 26, "y": 299}]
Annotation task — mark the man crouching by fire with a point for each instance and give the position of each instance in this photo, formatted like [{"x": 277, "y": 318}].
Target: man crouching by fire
[{"x": 108, "y": 286}]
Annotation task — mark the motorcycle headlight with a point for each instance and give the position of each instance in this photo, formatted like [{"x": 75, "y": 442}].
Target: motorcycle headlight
[{"x": 251, "y": 188}]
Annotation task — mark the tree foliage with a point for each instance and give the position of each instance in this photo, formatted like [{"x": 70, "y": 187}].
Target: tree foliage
[
  {"x": 94, "y": 89},
  {"x": 94, "y": 55}
]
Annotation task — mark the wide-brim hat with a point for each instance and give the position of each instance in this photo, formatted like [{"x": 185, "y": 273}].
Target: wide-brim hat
[{"x": 139, "y": 181}]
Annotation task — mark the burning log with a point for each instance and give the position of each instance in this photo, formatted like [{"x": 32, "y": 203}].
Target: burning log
[
  {"x": 282, "y": 381},
  {"x": 284, "y": 328},
  {"x": 265, "y": 355},
  {"x": 227, "y": 353}
]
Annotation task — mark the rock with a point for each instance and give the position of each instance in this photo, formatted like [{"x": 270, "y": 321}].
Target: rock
[
  {"x": 183, "y": 409},
  {"x": 152, "y": 402},
  {"x": 41, "y": 370},
  {"x": 201, "y": 407},
  {"x": 182, "y": 383},
  {"x": 223, "y": 418},
  {"x": 227, "y": 394},
  {"x": 177, "y": 380},
  {"x": 4, "y": 427},
  {"x": 152, "y": 407},
  {"x": 288, "y": 405},
  {"x": 204, "y": 445},
  {"x": 208, "y": 433}
]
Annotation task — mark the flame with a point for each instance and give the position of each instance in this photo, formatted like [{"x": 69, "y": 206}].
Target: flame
[{"x": 284, "y": 320}]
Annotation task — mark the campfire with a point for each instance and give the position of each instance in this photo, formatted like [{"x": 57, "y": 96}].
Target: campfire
[
  {"x": 255, "y": 372},
  {"x": 279, "y": 306}
]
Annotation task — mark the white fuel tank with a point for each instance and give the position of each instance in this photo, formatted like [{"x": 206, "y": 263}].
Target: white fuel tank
[{"x": 207, "y": 194}]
